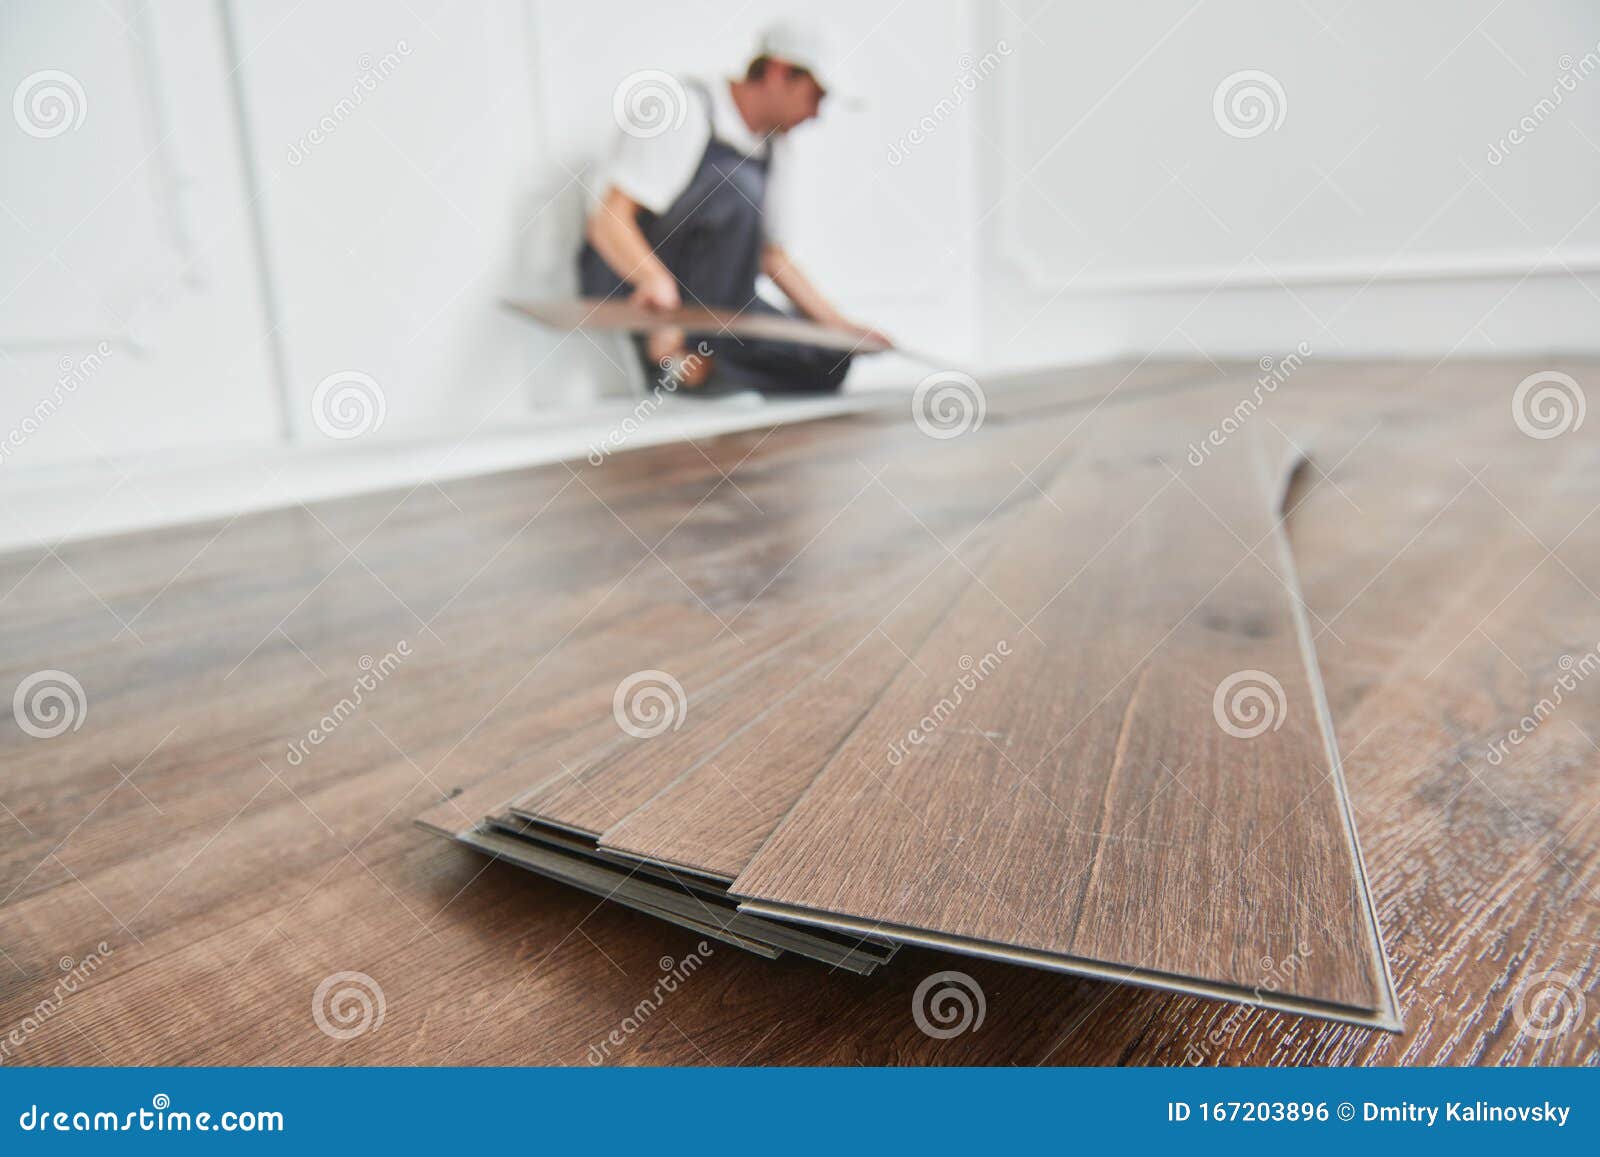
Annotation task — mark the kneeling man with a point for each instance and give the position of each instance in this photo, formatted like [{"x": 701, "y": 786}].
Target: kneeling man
[{"x": 692, "y": 214}]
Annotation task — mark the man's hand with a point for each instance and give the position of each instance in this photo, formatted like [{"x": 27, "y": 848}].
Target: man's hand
[
  {"x": 797, "y": 287},
  {"x": 614, "y": 231},
  {"x": 866, "y": 333},
  {"x": 657, "y": 291}
]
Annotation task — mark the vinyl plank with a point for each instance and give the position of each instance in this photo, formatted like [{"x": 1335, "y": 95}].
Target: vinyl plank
[
  {"x": 714, "y": 816},
  {"x": 606, "y": 883},
  {"x": 562, "y": 857},
  {"x": 952, "y": 495},
  {"x": 1034, "y": 813},
  {"x": 1453, "y": 624},
  {"x": 485, "y": 964},
  {"x": 608, "y": 785},
  {"x": 599, "y": 314},
  {"x": 569, "y": 575},
  {"x": 920, "y": 508}
]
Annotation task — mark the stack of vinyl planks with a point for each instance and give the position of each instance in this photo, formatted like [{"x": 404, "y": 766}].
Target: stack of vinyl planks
[{"x": 1077, "y": 724}]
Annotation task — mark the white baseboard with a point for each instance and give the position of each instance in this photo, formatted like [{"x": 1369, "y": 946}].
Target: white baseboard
[{"x": 48, "y": 506}]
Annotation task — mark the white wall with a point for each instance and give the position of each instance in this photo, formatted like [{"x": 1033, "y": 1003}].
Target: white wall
[
  {"x": 261, "y": 194},
  {"x": 1385, "y": 212},
  {"x": 457, "y": 170},
  {"x": 129, "y": 293},
  {"x": 264, "y": 194},
  {"x": 392, "y": 144}
]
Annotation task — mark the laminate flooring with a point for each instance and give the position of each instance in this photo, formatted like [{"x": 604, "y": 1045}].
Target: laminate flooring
[
  {"x": 1444, "y": 555},
  {"x": 1136, "y": 780}
]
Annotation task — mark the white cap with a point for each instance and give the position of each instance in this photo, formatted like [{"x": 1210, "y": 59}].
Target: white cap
[{"x": 804, "y": 46}]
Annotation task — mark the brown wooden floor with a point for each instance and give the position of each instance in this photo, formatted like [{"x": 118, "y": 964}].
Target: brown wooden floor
[{"x": 1449, "y": 561}]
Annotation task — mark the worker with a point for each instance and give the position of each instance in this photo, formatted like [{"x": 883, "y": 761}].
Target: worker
[{"x": 692, "y": 208}]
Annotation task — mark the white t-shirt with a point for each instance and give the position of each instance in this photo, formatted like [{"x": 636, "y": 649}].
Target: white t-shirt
[{"x": 654, "y": 170}]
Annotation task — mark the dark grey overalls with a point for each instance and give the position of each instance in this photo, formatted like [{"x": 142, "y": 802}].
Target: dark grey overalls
[{"x": 710, "y": 239}]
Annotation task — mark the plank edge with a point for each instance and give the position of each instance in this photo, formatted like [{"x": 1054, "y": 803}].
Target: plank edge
[{"x": 1381, "y": 1018}]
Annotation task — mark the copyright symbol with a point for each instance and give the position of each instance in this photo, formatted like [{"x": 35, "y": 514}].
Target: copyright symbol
[{"x": 1347, "y": 1111}]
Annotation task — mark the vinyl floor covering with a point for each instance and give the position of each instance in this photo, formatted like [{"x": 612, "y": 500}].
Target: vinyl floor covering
[{"x": 220, "y": 853}]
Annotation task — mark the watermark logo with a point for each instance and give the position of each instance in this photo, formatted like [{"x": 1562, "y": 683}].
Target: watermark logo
[
  {"x": 948, "y": 404},
  {"x": 1249, "y": 103},
  {"x": 647, "y": 703},
  {"x": 972, "y": 73},
  {"x": 160, "y": 1117},
  {"x": 73, "y": 373},
  {"x": 49, "y": 703},
  {"x": 973, "y": 672},
  {"x": 948, "y": 1004},
  {"x": 49, "y": 103},
  {"x": 1275, "y": 976},
  {"x": 674, "y": 371},
  {"x": 373, "y": 72},
  {"x": 1273, "y": 374},
  {"x": 1573, "y": 672},
  {"x": 348, "y": 404},
  {"x": 74, "y": 974},
  {"x": 373, "y": 673},
  {"x": 1547, "y": 1004},
  {"x": 347, "y": 1005},
  {"x": 1548, "y": 404},
  {"x": 649, "y": 103},
  {"x": 673, "y": 974},
  {"x": 1566, "y": 83},
  {"x": 1249, "y": 703}
]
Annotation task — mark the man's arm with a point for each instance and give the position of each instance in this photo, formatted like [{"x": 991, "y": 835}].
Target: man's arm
[
  {"x": 614, "y": 231},
  {"x": 808, "y": 299}
]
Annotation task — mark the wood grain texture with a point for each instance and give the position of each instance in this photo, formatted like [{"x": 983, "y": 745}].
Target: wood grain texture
[
  {"x": 1418, "y": 562},
  {"x": 714, "y": 816},
  {"x": 869, "y": 495},
  {"x": 705, "y": 796},
  {"x": 904, "y": 522},
  {"x": 605, "y": 790},
  {"x": 1054, "y": 779},
  {"x": 239, "y": 898}
]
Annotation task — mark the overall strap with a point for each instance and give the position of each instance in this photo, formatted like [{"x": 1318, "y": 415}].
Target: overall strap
[{"x": 703, "y": 91}]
